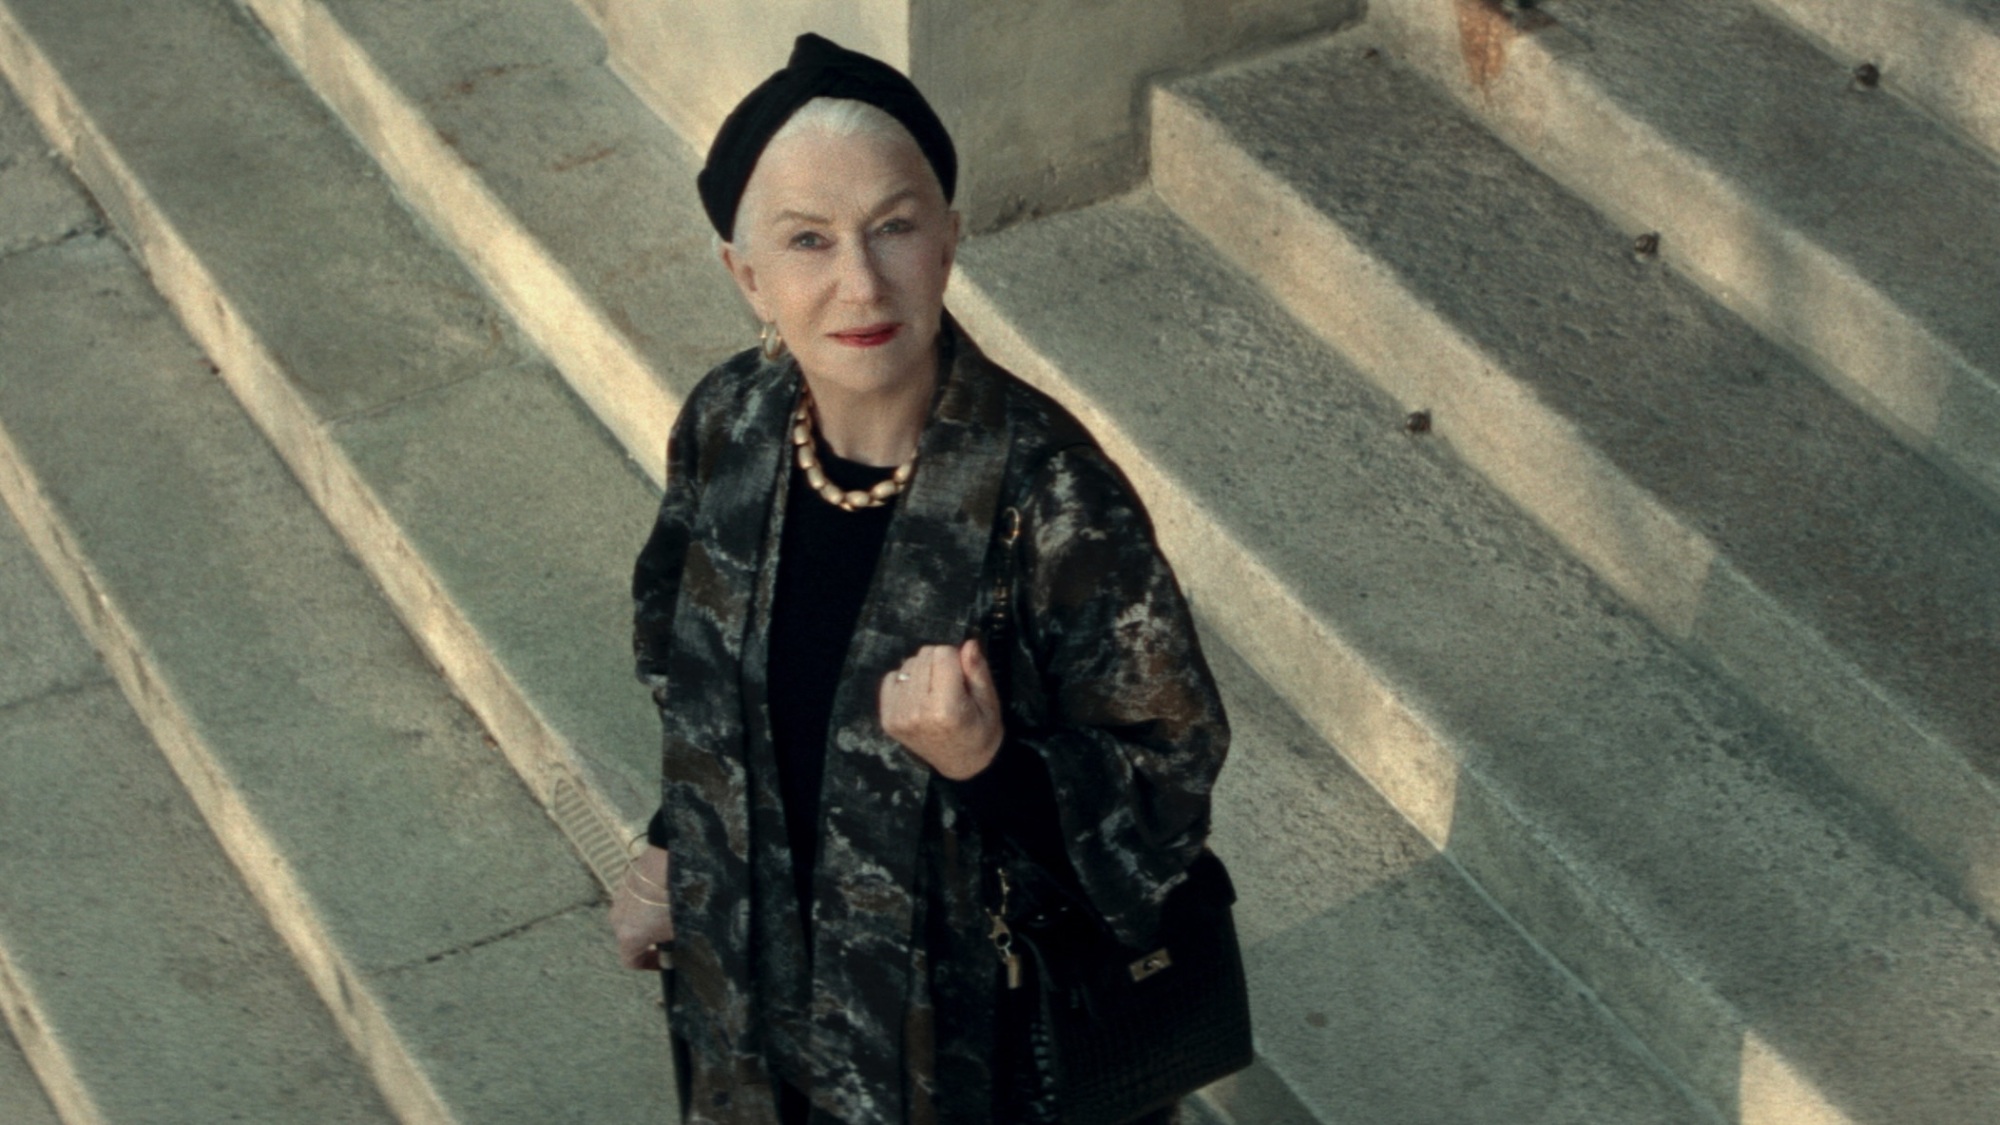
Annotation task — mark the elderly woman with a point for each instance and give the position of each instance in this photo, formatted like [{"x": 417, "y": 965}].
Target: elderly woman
[{"x": 849, "y": 509}]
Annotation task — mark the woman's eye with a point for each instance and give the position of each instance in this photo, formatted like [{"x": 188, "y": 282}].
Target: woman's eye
[
  {"x": 897, "y": 226},
  {"x": 808, "y": 240}
]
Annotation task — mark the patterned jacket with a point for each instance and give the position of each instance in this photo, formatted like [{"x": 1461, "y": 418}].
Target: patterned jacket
[{"x": 890, "y": 1020}]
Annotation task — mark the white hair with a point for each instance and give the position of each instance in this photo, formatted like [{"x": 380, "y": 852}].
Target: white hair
[
  {"x": 828, "y": 117},
  {"x": 842, "y": 117}
]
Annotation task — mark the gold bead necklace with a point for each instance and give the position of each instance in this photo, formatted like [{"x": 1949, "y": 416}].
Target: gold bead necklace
[{"x": 844, "y": 499}]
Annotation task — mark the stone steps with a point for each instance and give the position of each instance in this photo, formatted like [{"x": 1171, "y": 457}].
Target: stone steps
[
  {"x": 559, "y": 189},
  {"x": 1636, "y": 814},
  {"x": 430, "y": 434},
  {"x": 451, "y": 935},
  {"x": 1716, "y": 483},
  {"x": 1788, "y": 192},
  {"x": 1386, "y": 987},
  {"x": 1943, "y": 55},
  {"x": 142, "y": 982}
]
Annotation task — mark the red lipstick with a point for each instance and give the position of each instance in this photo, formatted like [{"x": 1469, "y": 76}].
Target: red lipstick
[{"x": 872, "y": 336}]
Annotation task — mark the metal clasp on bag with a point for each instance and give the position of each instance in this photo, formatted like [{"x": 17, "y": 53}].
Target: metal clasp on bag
[{"x": 1151, "y": 963}]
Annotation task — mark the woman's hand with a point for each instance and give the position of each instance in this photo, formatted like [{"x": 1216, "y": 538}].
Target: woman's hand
[
  {"x": 638, "y": 919},
  {"x": 942, "y": 706}
]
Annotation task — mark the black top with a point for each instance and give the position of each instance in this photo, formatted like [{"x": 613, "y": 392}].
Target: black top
[
  {"x": 826, "y": 561},
  {"x": 824, "y": 566}
]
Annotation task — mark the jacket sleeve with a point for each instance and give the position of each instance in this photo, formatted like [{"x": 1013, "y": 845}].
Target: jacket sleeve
[
  {"x": 1135, "y": 731},
  {"x": 656, "y": 578}
]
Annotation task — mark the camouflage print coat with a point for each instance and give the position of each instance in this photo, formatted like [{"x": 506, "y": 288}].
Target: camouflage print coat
[{"x": 890, "y": 1020}]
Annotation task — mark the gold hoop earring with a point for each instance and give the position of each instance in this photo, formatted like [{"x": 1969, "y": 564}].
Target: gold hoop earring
[{"x": 769, "y": 342}]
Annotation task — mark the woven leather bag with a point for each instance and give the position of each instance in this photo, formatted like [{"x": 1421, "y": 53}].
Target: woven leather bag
[{"x": 1122, "y": 1032}]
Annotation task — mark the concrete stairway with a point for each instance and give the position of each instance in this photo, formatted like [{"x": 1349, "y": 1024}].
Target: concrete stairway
[
  {"x": 1772, "y": 177},
  {"x": 1713, "y": 480},
  {"x": 1836, "y": 569},
  {"x": 137, "y": 974},
  {"x": 1866, "y": 634},
  {"x": 140, "y": 976},
  {"x": 373, "y": 849},
  {"x": 1644, "y": 807}
]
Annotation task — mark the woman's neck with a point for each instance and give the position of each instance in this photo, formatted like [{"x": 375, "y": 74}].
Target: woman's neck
[{"x": 878, "y": 428}]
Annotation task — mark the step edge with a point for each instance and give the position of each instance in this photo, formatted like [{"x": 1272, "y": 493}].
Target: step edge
[{"x": 23, "y": 1012}]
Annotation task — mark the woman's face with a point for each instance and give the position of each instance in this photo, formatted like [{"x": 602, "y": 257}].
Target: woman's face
[{"x": 849, "y": 246}]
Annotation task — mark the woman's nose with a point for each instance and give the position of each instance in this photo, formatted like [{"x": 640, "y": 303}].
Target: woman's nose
[{"x": 860, "y": 274}]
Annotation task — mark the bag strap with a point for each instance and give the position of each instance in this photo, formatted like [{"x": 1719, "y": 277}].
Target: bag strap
[
  {"x": 1002, "y": 625},
  {"x": 1013, "y": 670}
]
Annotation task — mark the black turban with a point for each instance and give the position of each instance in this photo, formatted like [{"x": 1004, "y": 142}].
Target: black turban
[{"x": 819, "y": 68}]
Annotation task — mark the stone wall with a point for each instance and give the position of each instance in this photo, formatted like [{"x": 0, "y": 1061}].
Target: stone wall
[{"x": 1045, "y": 95}]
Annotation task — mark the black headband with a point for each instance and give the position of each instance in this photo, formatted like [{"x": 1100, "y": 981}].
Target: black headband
[{"x": 819, "y": 68}]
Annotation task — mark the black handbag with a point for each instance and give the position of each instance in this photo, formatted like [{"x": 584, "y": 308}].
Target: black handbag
[
  {"x": 1120, "y": 1032},
  {"x": 1114, "y": 1032}
]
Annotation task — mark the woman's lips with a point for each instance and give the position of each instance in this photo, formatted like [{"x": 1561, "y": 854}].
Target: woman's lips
[{"x": 873, "y": 336}]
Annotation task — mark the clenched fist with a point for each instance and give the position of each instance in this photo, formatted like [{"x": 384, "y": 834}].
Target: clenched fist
[{"x": 942, "y": 706}]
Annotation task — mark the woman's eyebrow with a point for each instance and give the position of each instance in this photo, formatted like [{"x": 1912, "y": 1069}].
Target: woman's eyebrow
[{"x": 788, "y": 215}]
